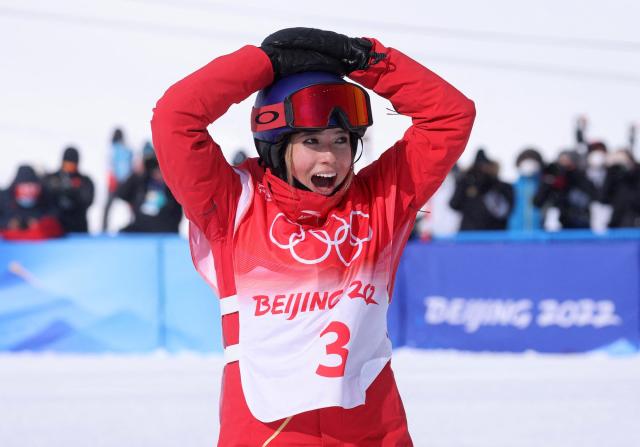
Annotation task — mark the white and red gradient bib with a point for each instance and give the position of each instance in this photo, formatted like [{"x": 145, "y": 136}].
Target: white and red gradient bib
[{"x": 312, "y": 302}]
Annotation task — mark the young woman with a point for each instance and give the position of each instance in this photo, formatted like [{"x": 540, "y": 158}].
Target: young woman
[{"x": 301, "y": 250}]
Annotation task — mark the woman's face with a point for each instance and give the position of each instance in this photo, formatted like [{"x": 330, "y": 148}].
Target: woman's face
[{"x": 321, "y": 160}]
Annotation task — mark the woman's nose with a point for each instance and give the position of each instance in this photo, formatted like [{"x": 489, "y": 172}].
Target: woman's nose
[{"x": 326, "y": 153}]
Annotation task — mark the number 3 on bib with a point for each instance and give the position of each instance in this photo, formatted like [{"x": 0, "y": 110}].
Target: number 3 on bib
[{"x": 337, "y": 347}]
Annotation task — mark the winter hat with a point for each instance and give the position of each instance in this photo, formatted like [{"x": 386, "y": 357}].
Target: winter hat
[
  {"x": 118, "y": 136},
  {"x": 26, "y": 174},
  {"x": 71, "y": 154},
  {"x": 481, "y": 158}
]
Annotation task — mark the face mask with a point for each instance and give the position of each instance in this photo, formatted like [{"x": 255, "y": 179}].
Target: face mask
[
  {"x": 596, "y": 159},
  {"x": 528, "y": 167},
  {"x": 26, "y": 202}
]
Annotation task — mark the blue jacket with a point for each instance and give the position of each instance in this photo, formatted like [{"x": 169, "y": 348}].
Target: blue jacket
[{"x": 525, "y": 216}]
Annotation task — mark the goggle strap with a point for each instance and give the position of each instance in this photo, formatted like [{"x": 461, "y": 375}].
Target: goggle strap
[{"x": 268, "y": 117}]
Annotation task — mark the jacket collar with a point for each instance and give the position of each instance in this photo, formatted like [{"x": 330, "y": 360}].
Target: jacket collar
[{"x": 303, "y": 207}]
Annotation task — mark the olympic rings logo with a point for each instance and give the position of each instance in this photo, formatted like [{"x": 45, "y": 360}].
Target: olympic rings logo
[{"x": 342, "y": 234}]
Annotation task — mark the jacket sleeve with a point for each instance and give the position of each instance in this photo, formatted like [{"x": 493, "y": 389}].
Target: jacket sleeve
[
  {"x": 86, "y": 193},
  {"x": 192, "y": 163},
  {"x": 414, "y": 167},
  {"x": 459, "y": 196}
]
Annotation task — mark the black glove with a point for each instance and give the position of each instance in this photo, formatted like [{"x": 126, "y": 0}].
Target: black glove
[
  {"x": 351, "y": 53},
  {"x": 287, "y": 61}
]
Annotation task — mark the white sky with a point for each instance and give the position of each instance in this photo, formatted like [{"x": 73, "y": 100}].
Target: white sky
[{"x": 71, "y": 70}]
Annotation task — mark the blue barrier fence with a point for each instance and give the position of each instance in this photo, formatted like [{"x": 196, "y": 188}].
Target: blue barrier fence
[
  {"x": 562, "y": 292},
  {"x": 105, "y": 294}
]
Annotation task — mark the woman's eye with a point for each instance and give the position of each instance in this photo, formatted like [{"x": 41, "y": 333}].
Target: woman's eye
[
  {"x": 341, "y": 140},
  {"x": 311, "y": 141}
]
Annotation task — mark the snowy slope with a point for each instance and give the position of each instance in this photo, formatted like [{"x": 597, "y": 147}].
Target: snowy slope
[{"x": 452, "y": 400}]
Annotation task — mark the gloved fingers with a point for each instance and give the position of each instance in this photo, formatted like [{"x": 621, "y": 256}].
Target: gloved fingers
[
  {"x": 327, "y": 42},
  {"x": 288, "y": 61}
]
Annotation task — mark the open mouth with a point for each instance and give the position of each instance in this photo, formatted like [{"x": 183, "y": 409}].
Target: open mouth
[{"x": 324, "y": 180}]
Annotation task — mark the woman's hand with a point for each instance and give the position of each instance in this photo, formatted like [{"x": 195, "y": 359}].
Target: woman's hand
[
  {"x": 294, "y": 50},
  {"x": 286, "y": 61}
]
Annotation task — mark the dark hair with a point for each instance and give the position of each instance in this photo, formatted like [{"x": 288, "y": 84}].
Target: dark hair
[
  {"x": 529, "y": 153},
  {"x": 597, "y": 146}
]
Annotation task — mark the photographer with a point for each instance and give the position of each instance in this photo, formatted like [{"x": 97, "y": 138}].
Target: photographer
[
  {"x": 71, "y": 192},
  {"x": 483, "y": 199},
  {"x": 155, "y": 210},
  {"x": 622, "y": 190},
  {"x": 565, "y": 186}
]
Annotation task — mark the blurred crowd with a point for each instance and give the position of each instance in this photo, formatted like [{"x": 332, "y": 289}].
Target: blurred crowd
[
  {"x": 38, "y": 205},
  {"x": 588, "y": 186},
  {"x": 46, "y": 205}
]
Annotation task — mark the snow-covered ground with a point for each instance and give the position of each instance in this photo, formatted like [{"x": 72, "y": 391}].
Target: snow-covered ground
[{"x": 452, "y": 399}]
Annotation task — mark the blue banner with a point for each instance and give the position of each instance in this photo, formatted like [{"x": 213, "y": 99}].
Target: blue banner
[
  {"x": 141, "y": 293},
  {"x": 561, "y": 296},
  {"x": 191, "y": 309},
  {"x": 104, "y": 294}
]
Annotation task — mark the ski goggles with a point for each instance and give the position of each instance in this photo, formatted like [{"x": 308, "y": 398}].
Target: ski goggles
[{"x": 313, "y": 107}]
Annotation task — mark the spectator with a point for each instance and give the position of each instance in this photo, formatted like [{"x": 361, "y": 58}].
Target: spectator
[
  {"x": 155, "y": 210},
  {"x": 565, "y": 186},
  {"x": 526, "y": 216},
  {"x": 483, "y": 199},
  {"x": 120, "y": 168},
  {"x": 71, "y": 192},
  {"x": 3, "y": 208},
  {"x": 28, "y": 211},
  {"x": 596, "y": 164},
  {"x": 596, "y": 171},
  {"x": 622, "y": 190}
]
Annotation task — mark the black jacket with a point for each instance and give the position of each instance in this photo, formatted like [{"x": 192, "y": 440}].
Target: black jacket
[
  {"x": 568, "y": 190},
  {"x": 72, "y": 194},
  {"x": 484, "y": 201},
  {"x": 154, "y": 208},
  {"x": 621, "y": 190}
]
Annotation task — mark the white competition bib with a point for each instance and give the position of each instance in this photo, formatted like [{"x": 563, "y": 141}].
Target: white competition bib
[{"x": 306, "y": 349}]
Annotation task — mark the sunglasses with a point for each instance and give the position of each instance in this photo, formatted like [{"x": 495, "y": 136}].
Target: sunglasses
[{"x": 311, "y": 108}]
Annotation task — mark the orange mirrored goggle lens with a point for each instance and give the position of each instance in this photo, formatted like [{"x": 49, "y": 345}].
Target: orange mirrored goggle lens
[{"x": 312, "y": 107}]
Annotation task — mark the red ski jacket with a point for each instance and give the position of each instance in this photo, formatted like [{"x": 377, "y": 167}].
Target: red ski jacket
[{"x": 289, "y": 261}]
